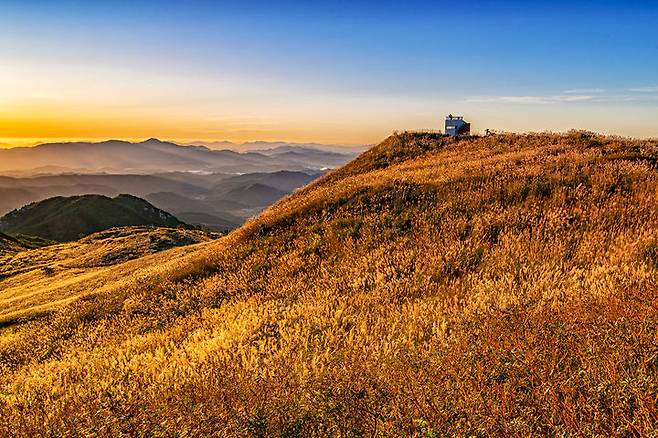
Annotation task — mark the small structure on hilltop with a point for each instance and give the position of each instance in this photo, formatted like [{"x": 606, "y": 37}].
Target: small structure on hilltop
[{"x": 456, "y": 126}]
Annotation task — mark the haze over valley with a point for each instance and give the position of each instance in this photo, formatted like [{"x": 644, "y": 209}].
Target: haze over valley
[{"x": 216, "y": 189}]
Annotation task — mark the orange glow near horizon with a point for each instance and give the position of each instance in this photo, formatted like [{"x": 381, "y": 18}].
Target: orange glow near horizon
[
  {"x": 320, "y": 119},
  {"x": 89, "y": 103},
  {"x": 218, "y": 72},
  {"x": 27, "y": 127},
  {"x": 30, "y": 132}
]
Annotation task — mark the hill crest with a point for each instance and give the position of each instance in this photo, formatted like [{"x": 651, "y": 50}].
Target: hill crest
[
  {"x": 69, "y": 218},
  {"x": 502, "y": 285}
]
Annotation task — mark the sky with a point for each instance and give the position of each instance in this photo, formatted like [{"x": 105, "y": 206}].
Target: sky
[{"x": 347, "y": 72}]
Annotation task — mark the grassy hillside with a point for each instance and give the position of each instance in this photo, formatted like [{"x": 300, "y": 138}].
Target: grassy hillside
[
  {"x": 490, "y": 286},
  {"x": 10, "y": 245},
  {"x": 70, "y": 218},
  {"x": 14, "y": 243},
  {"x": 34, "y": 282}
]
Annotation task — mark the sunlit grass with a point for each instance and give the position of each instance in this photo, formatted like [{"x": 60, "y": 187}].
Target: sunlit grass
[
  {"x": 503, "y": 285},
  {"x": 38, "y": 281}
]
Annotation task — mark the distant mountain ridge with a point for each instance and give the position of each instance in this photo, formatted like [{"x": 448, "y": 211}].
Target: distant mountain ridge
[
  {"x": 265, "y": 146},
  {"x": 153, "y": 155},
  {"x": 70, "y": 218},
  {"x": 216, "y": 189}
]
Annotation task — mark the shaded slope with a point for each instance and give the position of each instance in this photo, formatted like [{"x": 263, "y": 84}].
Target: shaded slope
[
  {"x": 13, "y": 243},
  {"x": 490, "y": 286},
  {"x": 10, "y": 245},
  {"x": 257, "y": 195},
  {"x": 65, "y": 219},
  {"x": 198, "y": 212},
  {"x": 284, "y": 180}
]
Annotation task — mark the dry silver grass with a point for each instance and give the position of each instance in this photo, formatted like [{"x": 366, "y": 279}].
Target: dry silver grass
[{"x": 503, "y": 285}]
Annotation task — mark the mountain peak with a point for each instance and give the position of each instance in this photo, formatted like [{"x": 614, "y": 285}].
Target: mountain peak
[{"x": 153, "y": 140}]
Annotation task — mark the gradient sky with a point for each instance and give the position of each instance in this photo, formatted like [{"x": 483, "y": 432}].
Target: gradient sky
[{"x": 338, "y": 72}]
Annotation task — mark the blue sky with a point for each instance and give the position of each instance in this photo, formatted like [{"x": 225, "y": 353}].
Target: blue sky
[{"x": 341, "y": 72}]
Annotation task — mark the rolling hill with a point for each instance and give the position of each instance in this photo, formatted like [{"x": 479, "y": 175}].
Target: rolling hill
[
  {"x": 14, "y": 243},
  {"x": 67, "y": 271},
  {"x": 17, "y": 192},
  {"x": 10, "y": 245},
  {"x": 503, "y": 285},
  {"x": 256, "y": 194},
  {"x": 283, "y": 180},
  {"x": 70, "y": 218}
]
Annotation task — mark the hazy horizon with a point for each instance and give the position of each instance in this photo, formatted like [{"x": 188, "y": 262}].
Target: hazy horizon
[{"x": 9, "y": 143}]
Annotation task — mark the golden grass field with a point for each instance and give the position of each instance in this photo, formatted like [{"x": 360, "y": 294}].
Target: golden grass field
[
  {"x": 504, "y": 285},
  {"x": 33, "y": 283},
  {"x": 9, "y": 246}
]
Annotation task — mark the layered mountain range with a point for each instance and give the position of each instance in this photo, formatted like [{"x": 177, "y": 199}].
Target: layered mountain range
[
  {"x": 153, "y": 155},
  {"x": 218, "y": 189}
]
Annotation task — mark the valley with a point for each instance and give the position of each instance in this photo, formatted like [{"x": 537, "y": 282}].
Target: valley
[{"x": 217, "y": 190}]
